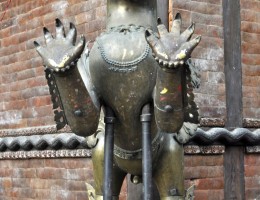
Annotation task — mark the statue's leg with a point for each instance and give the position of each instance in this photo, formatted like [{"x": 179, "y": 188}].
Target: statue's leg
[
  {"x": 98, "y": 163},
  {"x": 168, "y": 172}
]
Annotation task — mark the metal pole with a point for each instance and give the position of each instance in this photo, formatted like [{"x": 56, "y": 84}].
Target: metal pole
[
  {"x": 109, "y": 147},
  {"x": 147, "y": 154}
]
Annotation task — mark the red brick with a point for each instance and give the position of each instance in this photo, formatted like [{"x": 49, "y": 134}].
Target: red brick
[
  {"x": 252, "y": 182},
  {"x": 250, "y": 5},
  {"x": 21, "y": 182},
  {"x": 251, "y": 171},
  {"x": 251, "y": 70},
  {"x": 7, "y": 183},
  {"x": 81, "y": 195},
  {"x": 251, "y": 81},
  {"x": 76, "y": 186},
  {"x": 248, "y": 15},
  {"x": 43, "y": 194},
  {"x": 41, "y": 121},
  {"x": 40, "y": 184},
  {"x": 201, "y": 194},
  {"x": 209, "y": 184},
  {"x": 51, "y": 173}
]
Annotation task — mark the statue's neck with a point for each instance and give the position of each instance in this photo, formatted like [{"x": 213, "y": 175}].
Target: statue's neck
[{"x": 137, "y": 12}]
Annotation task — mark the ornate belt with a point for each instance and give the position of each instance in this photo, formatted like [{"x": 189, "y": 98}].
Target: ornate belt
[{"x": 137, "y": 154}]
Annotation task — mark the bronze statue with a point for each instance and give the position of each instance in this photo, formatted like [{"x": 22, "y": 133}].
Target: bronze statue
[{"x": 131, "y": 71}]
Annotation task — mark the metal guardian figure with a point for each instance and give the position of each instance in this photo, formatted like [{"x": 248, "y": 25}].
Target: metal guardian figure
[{"x": 141, "y": 77}]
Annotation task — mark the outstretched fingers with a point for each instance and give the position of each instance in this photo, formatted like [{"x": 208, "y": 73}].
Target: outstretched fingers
[
  {"x": 186, "y": 35},
  {"x": 176, "y": 25},
  {"x": 151, "y": 38},
  {"x": 41, "y": 50},
  {"x": 161, "y": 28},
  {"x": 72, "y": 34},
  {"x": 185, "y": 51},
  {"x": 193, "y": 43},
  {"x": 60, "y": 33},
  {"x": 155, "y": 44},
  {"x": 47, "y": 35}
]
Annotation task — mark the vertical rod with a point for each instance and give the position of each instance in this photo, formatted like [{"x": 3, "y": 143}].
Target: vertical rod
[
  {"x": 109, "y": 147},
  {"x": 147, "y": 152},
  {"x": 163, "y": 11}
]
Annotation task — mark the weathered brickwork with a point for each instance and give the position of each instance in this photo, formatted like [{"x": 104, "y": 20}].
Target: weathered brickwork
[
  {"x": 250, "y": 35},
  {"x": 46, "y": 179},
  {"x": 24, "y": 95},
  {"x": 207, "y": 174},
  {"x": 208, "y": 56},
  {"x": 252, "y": 176}
]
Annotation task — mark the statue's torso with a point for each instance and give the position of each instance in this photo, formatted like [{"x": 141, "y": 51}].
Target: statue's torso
[{"x": 124, "y": 72}]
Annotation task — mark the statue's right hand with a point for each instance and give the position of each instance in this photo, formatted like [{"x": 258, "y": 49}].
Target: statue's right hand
[{"x": 60, "y": 52}]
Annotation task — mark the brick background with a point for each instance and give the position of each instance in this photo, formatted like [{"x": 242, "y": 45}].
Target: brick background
[
  {"x": 49, "y": 179},
  {"x": 252, "y": 176},
  {"x": 45, "y": 179},
  {"x": 208, "y": 55},
  {"x": 206, "y": 173},
  {"x": 250, "y": 30},
  {"x": 24, "y": 95}
]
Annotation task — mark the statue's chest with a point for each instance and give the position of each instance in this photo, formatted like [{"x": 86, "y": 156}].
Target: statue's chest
[
  {"x": 122, "y": 67},
  {"x": 124, "y": 48}
]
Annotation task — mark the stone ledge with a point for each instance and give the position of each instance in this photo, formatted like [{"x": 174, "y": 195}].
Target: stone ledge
[{"x": 64, "y": 153}]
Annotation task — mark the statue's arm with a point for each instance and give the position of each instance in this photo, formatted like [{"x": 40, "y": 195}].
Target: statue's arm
[
  {"x": 171, "y": 50},
  {"x": 67, "y": 65}
]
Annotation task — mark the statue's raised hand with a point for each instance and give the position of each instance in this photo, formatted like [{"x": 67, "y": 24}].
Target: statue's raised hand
[
  {"x": 173, "y": 48},
  {"x": 60, "y": 53}
]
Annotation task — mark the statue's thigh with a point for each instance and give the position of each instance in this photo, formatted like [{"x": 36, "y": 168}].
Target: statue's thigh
[
  {"x": 168, "y": 172},
  {"x": 98, "y": 170}
]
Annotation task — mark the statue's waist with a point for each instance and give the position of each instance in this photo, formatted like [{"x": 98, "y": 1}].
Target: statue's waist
[{"x": 137, "y": 154}]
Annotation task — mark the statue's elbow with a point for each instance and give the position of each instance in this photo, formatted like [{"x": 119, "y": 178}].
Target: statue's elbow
[
  {"x": 169, "y": 122},
  {"x": 83, "y": 124}
]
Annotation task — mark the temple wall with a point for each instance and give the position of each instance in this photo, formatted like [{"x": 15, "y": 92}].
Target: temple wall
[
  {"x": 250, "y": 36},
  {"x": 24, "y": 94},
  {"x": 208, "y": 55}
]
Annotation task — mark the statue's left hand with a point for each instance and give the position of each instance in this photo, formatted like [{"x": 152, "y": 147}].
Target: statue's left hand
[
  {"x": 60, "y": 52},
  {"x": 173, "y": 48},
  {"x": 186, "y": 132}
]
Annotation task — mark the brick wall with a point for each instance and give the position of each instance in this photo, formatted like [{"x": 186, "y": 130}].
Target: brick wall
[
  {"x": 252, "y": 176},
  {"x": 24, "y": 95},
  {"x": 49, "y": 179},
  {"x": 45, "y": 179},
  {"x": 208, "y": 56},
  {"x": 207, "y": 174},
  {"x": 250, "y": 30}
]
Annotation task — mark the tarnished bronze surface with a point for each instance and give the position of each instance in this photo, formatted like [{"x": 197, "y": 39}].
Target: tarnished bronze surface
[{"x": 129, "y": 66}]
